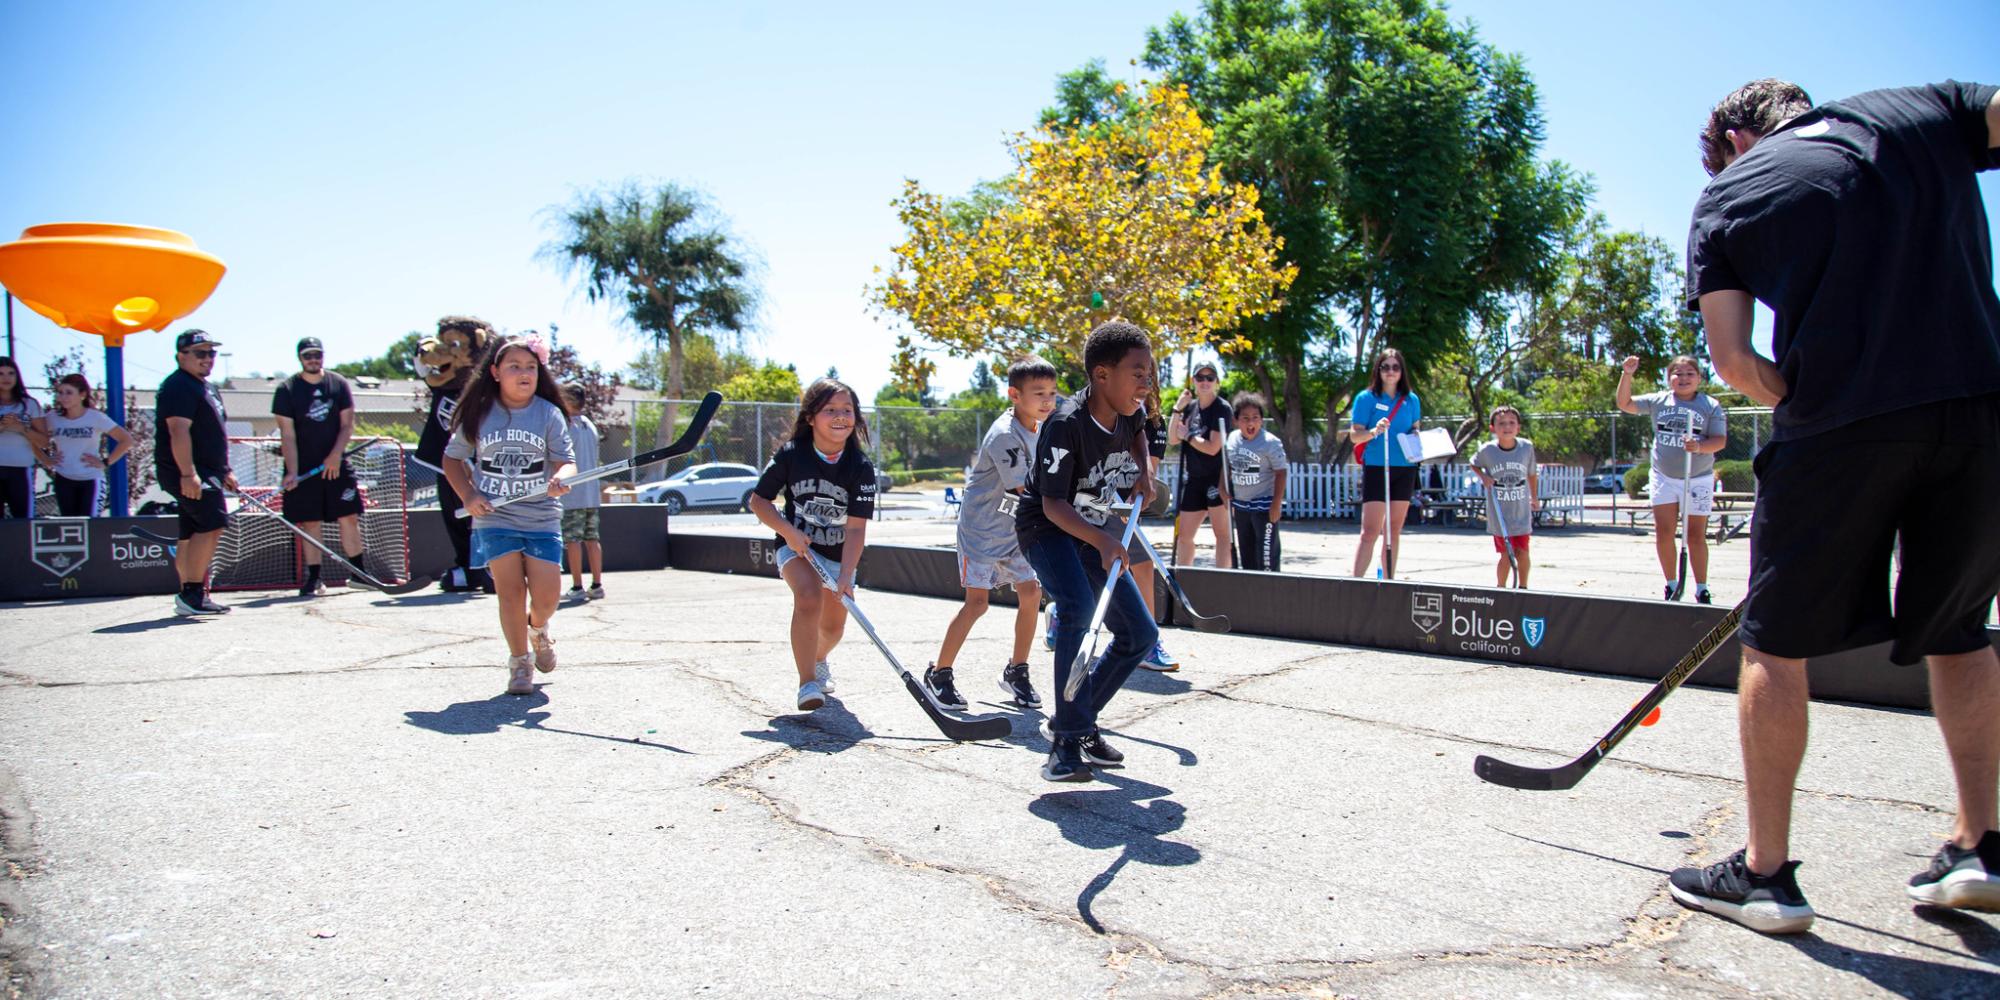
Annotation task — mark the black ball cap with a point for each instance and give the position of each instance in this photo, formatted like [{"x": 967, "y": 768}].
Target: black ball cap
[
  {"x": 189, "y": 338},
  {"x": 309, "y": 344}
]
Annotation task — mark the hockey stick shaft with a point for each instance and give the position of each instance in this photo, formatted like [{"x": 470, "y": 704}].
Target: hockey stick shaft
[
  {"x": 1204, "y": 623},
  {"x": 1506, "y": 537},
  {"x": 958, "y": 730},
  {"x": 1079, "y": 666},
  {"x": 1566, "y": 776},
  {"x": 689, "y": 439},
  {"x": 344, "y": 456}
]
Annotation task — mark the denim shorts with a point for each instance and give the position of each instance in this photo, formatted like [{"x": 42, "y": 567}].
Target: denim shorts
[
  {"x": 489, "y": 544},
  {"x": 785, "y": 555}
]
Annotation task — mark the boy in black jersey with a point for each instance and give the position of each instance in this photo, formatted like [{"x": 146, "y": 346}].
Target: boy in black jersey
[{"x": 1091, "y": 455}]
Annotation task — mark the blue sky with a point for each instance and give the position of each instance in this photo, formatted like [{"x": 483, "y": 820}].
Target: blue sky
[{"x": 364, "y": 168}]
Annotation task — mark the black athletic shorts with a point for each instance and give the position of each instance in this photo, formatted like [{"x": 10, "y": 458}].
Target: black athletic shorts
[
  {"x": 317, "y": 499},
  {"x": 1402, "y": 483},
  {"x": 1200, "y": 494},
  {"x": 199, "y": 517},
  {"x": 1830, "y": 511}
]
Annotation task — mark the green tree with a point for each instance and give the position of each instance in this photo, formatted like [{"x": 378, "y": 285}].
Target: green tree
[
  {"x": 1394, "y": 154},
  {"x": 398, "y": 362},
  {"x": 704, "y": 366},
  {"x": 770, "y": 383},
  {"x": 664, "y": 255}
]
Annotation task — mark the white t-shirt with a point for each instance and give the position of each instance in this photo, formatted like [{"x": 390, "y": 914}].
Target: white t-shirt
[
  {"x": 14, "y": 447},
  {"x": 75, "y": 438}
]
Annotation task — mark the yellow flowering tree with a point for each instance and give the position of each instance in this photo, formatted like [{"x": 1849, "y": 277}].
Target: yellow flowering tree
[{"x": 1123, "y": 217}]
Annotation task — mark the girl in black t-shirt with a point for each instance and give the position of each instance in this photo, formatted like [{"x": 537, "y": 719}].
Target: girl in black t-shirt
[{"x": 828, "y": 486}]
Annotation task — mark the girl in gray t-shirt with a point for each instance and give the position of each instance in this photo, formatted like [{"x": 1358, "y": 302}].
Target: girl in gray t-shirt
[
  {"x": 1257, "y": 468},
  {"x": 1689, "y": 428},
  {"x": 510, "y": 438}
]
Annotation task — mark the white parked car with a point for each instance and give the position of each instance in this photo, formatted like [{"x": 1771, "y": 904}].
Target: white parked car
[{"x": 716, "y": 484}]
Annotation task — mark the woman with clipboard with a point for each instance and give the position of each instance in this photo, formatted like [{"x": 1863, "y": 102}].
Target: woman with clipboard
[{"x": 1388, "y": 408}]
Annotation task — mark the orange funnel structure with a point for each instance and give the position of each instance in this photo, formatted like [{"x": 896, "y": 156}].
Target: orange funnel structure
[{"x": 110, "y": 280}]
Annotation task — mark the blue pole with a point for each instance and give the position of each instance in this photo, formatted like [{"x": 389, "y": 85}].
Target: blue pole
[{"x": 114, "y": 406}]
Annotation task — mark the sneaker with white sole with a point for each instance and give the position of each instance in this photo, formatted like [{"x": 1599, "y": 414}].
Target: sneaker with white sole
[
  {"x": 545, "y": 648},
  {"x": 1962, "y": 879},
  {"x": 575, "y": 595},
  {"x": 597, "y": 592},
  {"x": 1065, "y": 762},
  {"x": 1159, "y": 659},
  {"x": 209, "y": 607},
  {"x": 521, "y": 674},
  {"x": 186, "y": 610},
  {"x": 823, "y": 676},
  {"x": 1771, "y": 904},
  {"x": 939, "y": 680},
  {"x": 811, "y": 696},
  {"x": 1014, "y": 681}
]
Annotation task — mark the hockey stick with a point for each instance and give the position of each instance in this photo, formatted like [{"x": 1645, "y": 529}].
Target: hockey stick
[
  {"x": 354, "y": 573},
  {"x": 990, "y": 727},
  {"x": 1506, "y": 539},
  {"x": 172, "y": 544},
  {"x": 1687, "y": 498},
  {"x": 687, "y": 442},
  {"x": 1388, "y": 568},
  {"x": 1081, "y": 664},
  {"x": 321, "y": 467},
  {"x": 1556, "y": 779},
  {"x": 1202, "y": 623}
]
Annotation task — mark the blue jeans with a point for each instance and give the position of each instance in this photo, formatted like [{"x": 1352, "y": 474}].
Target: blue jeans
[{"x": 1073, "y": 576}]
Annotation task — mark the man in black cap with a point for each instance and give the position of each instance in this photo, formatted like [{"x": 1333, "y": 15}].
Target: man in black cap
[
  {"x": 190, "y": 448},
  {"x": 315, "y": 411}
]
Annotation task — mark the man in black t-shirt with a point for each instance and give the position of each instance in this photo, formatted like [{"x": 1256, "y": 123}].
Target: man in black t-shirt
[
  {"x": 191, "y": 449},
  {"x": 1860, "y": 224},
  {"x": 1200, "y": 425},
  {"x": 315, "y": 411}
]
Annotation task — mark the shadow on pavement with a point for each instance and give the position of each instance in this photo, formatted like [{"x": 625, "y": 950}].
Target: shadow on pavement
[
  {"x": 1098, "y": 818},
  {"x": 476, "y": 718}
]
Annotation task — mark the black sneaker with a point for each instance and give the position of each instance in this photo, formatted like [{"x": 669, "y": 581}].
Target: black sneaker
[
  {"x": 1769, "y": 904},
  {"x": 313, "y": 587},
  {"x": 1096, "y": 751},
  {"x": 1961, "y": 879},
  {"x": 1065, "y": 762},
  {"x": 1014, "y": 681},
  {"x": 1669, "y": 595},
  {"x": 1702, "y": 596},
  {"x": 938, "y": 679}
]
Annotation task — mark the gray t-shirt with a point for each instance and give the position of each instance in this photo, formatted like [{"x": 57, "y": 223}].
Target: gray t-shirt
[
  {"x": 1001, "y": 465},
  {"x": 14, "y": 447},
  {"x": 517, "y": 451},
  {"x": 1515, "y": 508},
  {"x": 75, "y": 438},
  {"x": 583, "y": 438},
  {"x": 1253, "y": 469},
  {"x": 1670, "y": 425}
]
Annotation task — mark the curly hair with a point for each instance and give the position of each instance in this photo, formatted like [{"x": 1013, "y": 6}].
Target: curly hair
[{"x": 1758, "y": 106}]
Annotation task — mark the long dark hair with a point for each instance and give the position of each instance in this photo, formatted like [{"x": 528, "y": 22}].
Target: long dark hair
[
  {"x": 814, "y": 399},
  {"x": 482, "y": 391},
  {"x": 1405, "y": 386},
  {"x": 81, "y": 384},
  {"x": 20, "y": 384}
]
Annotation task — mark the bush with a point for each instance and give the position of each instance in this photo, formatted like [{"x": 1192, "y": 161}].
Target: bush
[{"x": 1737, "y": 477}]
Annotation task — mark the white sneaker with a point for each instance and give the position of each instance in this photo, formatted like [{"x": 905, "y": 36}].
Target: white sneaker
[
  {"x": 544, "y": 648},
  {"x": 208, "y": 605},
  {"x": 811, "y": 696},
  {"x": 574, "y": 595},
  {"x": 597, "y": 592},
  {"x": 823, "y": 676}
]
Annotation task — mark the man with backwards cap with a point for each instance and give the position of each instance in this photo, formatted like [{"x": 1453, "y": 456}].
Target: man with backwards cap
[
  {"x": 190, "y": 448},
  {"x": 315, "y": 411}
]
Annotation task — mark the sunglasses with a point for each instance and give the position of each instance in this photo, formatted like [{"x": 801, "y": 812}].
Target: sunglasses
[
  {"x": 1204, "y": 378},
  {"x": 1390, "y": 368},
  {"x": 203, "y": 354},
  {"x": 311, "y": 356}
]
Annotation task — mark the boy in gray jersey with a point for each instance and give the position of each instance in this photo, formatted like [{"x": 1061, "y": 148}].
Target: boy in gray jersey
[
  {"x": 1506, "y": 465},
  {"x": 1689, "y": 427},
  {"x": 1257, "y": 468},
  {"x": 581, "y": 535},
  {"x": 989, "y": 552}
]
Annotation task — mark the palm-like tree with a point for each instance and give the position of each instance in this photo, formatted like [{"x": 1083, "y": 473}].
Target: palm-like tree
[{"x": 667, "y": 255}]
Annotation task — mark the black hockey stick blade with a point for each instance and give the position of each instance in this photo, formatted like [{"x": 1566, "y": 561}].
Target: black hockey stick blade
[
  {"x": 697, "y": 426},
  {"x": 991, "y": 727},
  {"x": 410, "y": 586},
  {"x": 1202, "y": 623},
  {"x": 1556, "y": 779},
  {"x": 1681, "y": 579}
]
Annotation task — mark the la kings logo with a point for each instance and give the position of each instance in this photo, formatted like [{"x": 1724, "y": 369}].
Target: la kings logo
[
  {"x": 61, "y": 547},
  {"x": 1104, "y": 486},
  {"x": 1427, "y": 611}
]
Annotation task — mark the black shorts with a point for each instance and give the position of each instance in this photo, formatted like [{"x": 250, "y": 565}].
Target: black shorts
[
  {"x": 1402, "y": 483},
  {"x": 199, "y": 517},
  {"x": 317, "y": 499},
  {"x": 1830, "y": 510},
  {"x": 1199, "y": 493}
]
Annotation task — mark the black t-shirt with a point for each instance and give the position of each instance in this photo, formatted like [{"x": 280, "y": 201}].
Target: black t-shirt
[
  {"x": 1860, "y": 224},
  {"x": 819, "y": 495},
  {"x": 1213, "y": 420},
  {"x": 315, "y": 411},
  {"x": 1077, "y": 460},
  {"x": 183, "y": 395},
  {"x": 437, "y": 429}
]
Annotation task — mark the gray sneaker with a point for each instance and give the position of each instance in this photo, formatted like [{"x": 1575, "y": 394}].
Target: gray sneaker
[
  {"x": 811, "y": 696},
  {"x": 823, "y": 676},
  {"x": 597, "y": 592}
]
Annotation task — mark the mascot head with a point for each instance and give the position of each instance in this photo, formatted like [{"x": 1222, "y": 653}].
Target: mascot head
[{"x": 445, "y": 359}]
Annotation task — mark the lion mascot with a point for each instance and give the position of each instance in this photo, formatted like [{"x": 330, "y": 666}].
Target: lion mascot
[{"x": 445, "y": 363}]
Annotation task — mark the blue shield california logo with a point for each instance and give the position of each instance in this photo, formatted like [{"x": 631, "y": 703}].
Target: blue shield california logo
[{"x": 1533, "y": 629}]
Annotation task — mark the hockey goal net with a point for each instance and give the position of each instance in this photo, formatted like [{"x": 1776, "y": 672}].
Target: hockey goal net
[{"x": 258, "y": 552}]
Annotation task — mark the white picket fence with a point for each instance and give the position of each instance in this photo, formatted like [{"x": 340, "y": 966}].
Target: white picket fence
[{"x": 1316, "y": 490}]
